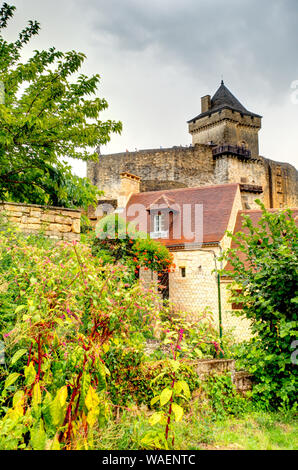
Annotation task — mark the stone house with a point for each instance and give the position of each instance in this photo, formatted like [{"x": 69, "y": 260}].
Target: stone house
[{"x": 192, "y": 223}]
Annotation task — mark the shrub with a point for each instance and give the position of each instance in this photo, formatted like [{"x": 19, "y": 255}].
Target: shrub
[
  {"x": 134, "y": 380},
  {"x": 265, "y": 271},
  {"x": 223, "y": 398},
  {"x": 60, "y": 309}
]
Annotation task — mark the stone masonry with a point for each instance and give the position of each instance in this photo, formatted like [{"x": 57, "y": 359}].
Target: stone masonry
[{"x": 55, "y": 222}]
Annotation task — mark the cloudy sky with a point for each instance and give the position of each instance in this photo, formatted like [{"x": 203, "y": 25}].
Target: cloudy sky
[{"x": 157, "y": 58}]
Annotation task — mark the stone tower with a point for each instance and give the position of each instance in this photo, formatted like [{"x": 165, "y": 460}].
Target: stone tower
[{"x": 224, "y": 120}]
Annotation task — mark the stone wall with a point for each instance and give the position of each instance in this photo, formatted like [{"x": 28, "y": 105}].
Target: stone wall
[
  {"x": 238, "y": 326},
  {"x": 129, "y": 184},
  {"x": 227, "y": 126},
  {"x": 55, "y": 222},
  {"x": 170, "y": 168},
  {"x": 229, "y": 169},
  {"x": 283, "y": 181},
  {"x": 179, "y": 167},
  {"x": 279, "y": 181}
]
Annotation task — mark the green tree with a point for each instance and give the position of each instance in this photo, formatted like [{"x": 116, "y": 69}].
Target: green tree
[
  {"x": 264, "y": 258},
  {"x": 47, "y": 113}
]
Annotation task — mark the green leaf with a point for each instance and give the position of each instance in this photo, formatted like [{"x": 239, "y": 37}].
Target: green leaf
[
  {"x": 17, "y": 356},
  {"x": 19, "y": 308},
  {"x": 57, "y": 406},
  {"x": 174, "y": 364},
  {"x": 36, "y": 395},
  {"x": 30, "y": 374},
  {"x": 55, "y": 444},
  {"x": 92, "y": 399},
  {"x": 185, "y": 388},
  {"x": 178, "y": 387},
  {"x": 18, "y": 396},
  {"x": 38, "y": 436},
  {"x": 178, "y": 411},
  {"x": 165, "y": 396},
  {"x": 198, "y": 352},
  {"x": 157, "y": 377},
  {"x": 155, "y": 418},
  {"x": 154, "y": 400},
  {"x": 85, "y": 384},
  {"x": 11, "y": 379}
]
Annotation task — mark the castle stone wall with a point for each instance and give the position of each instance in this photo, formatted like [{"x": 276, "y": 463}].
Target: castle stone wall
[
  {"x": 158, "y": 169},
  {"x": 179, "y": 167}
]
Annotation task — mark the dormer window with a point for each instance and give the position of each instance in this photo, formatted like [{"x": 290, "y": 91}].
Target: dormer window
[
  {"x": 161, "y": 216},
  {"x": 157, "y": 222},
  {"x": 159, "y": 225}
]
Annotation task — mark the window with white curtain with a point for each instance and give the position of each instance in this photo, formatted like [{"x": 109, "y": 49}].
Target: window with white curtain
[{"x": 158, "y": 227}]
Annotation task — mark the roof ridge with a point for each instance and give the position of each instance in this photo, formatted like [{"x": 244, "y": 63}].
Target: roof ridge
[{"x": 188, "y": 189}]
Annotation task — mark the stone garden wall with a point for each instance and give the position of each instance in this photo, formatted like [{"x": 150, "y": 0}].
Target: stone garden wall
[{"x": 55, "y": 222}]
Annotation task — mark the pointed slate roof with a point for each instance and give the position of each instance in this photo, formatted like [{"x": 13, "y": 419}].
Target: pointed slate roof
[{"x": 224, "y": 99}]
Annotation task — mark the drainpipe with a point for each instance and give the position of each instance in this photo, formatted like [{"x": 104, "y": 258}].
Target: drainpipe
[{"x": 219, "y": 312}]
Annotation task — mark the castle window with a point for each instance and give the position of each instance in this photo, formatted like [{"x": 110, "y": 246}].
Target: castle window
[
  {"x": 182, "y": 271},
  {"x": 243, "y": 144},
  {"x": 278, "y": 171}
]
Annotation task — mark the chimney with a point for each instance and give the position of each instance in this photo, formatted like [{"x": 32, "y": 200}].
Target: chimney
[
  {"x": 205, "y": 103},
  {"x": 129, "y": 184}
]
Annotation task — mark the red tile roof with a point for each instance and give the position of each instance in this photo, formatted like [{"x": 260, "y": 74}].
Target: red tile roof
[
  {"x": 217, "y": 204},
  {"x": 255, "y": 216}
]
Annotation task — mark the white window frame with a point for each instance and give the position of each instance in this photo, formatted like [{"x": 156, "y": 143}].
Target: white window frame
[
  {"x": 157, "y": 222},
  {"x": 157, "y": 227}
]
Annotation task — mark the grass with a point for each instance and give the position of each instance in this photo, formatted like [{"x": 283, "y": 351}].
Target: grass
[
  {"x": 200, "y": 431},
  {"x": 256, "y": 431}
]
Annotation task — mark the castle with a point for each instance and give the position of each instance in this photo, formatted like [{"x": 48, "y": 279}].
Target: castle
[
  {"x": 225, "y": 149},
  {"x": 223, "y": 172}
]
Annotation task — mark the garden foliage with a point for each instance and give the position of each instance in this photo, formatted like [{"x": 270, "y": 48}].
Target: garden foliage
[
  {"x": 265, "y": 275},
  {"x": 119, "y": 241},
  {"x": 60, "y": 309}
]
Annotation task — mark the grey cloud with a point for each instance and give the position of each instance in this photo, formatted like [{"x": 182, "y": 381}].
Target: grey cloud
[
  {"x": 158, "y": 57},
  {"x": 249, "y": 40}
]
